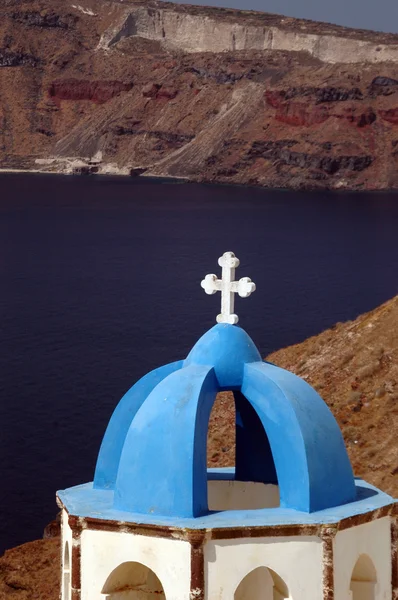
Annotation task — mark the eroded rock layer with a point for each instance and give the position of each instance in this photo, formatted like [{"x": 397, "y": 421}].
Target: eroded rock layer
[{"x": 203, "y": 94}]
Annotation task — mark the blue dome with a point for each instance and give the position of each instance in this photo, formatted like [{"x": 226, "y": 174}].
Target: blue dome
[
  {"x": 227, "y": 349},
  {"x": 153, "y": 454}
]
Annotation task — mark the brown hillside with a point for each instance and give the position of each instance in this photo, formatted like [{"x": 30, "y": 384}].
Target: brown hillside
[
  {"x": 31, "y": 571},
  {"x": 150, "y": 87}
]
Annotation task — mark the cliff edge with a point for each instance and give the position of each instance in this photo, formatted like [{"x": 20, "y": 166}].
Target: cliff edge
[{"x": 203, "y": 94}]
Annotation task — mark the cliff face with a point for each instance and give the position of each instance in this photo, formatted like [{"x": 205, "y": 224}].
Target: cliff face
[
  {"x": 194, "y": 29},
  {"x": 204, "y": 94}
]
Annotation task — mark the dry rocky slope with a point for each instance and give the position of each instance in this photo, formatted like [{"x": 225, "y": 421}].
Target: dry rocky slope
[
  {"x": 31, "y": 571},
  {"x": 354, "y": 366},
  {"x": 199, "y": 93}
]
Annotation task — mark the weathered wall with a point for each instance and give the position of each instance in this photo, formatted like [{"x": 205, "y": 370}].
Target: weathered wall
[
  {"x": 296, "y": 560},
  {"x": 371, "y": 539},
  {"x": 200, "y": 33},
  {"x": 103, "y": 551},
  {"x": 66, "y": 557},
  {"x": 241, "y": 495}
]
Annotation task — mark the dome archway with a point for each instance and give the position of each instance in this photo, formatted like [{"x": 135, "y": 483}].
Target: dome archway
[{"x": 164, "y": 449}]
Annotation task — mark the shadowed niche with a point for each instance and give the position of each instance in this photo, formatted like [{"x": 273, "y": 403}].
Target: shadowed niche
[
  {"x": 363, "y": 579},
  {"x": 262, "y": 584},
  {"x": 132, "y": 581}
]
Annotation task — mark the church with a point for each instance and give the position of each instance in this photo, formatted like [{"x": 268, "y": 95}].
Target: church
[{"x": 288, "y": 521}]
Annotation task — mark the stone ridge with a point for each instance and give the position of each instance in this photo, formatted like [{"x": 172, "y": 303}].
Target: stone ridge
[
  {"x": 253, "y": 17},
  {"x": 197, "y": 31}
]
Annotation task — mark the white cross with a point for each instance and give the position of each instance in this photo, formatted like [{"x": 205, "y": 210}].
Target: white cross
[{"x": 228, "y": 287}]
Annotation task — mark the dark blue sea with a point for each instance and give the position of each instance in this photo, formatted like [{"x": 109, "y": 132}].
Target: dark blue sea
[{"x": 100, "y": 282}]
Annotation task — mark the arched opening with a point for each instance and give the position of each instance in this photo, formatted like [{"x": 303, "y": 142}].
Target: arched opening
[
  {"x": 133, "y": 581},
  {"x": 66, "y": 591},
  {"x": 363, "y": 579},
  {"x": 261, "y": 584},
  {"x": 236, "y": 438},
  {"x": 221, "y": 436}
]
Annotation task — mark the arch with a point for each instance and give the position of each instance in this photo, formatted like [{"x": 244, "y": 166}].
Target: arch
[
  {"x": 363, "y": 579},
  {"x": 251, "y": 452},
  {"x": 261, "y": 584},
  {"x": 118, "y": 426},
  {"x": 164, "y": 455},
  {"x": 133, "y": 581},
  {"x": 312, "y": 475},
  {"x": 253, "y": 484}
]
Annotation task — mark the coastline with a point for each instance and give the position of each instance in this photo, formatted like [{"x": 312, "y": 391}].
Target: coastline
[
  {"x": 135, "y": 173},
  {"x": 103, "y": 173}
]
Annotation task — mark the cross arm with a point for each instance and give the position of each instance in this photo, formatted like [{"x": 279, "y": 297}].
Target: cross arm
[
  {"x": 211, "y": 284},
  {"x": 244, "y": 287}
]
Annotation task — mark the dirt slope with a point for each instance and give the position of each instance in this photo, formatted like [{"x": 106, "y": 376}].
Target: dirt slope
[
  {"x": 354, "y": 366},
  {"x": 31, "y": 571},
  {"x": 77, "y": 83}
]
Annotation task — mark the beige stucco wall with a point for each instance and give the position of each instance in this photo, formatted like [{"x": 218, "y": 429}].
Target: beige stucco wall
[
  {"x": 104, "y": 551},
  {"x": 241, "y": 495},
  {"x": 296, "y": 560},
  {"x": 372, "y": 539}
]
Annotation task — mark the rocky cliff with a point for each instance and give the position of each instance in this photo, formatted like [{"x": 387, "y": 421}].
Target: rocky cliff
[
  {"x": 205, "y": 94},
  {"x": 31, "y": 571}
]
